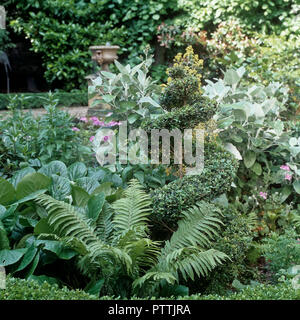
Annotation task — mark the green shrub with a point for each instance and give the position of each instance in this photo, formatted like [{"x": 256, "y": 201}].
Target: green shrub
[
  {"x": 281, "y": 251},
  {"x": 184, "y": 118},
  {"x": 19, "y": 289},
  {"x": 62, "y": 31},
  {"x": 37, "y": 100},
  {"x": 216, "y": 178},
  {"x": 282, "y": 291},
  {"x": 266, "y": 16},
  {"x": 259, "y": 292}
]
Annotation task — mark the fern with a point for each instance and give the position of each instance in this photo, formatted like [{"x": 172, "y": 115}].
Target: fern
[
  {"x": 118, "y": 241},
  {"x": 66, "y": 222},
  {"x": 133, "y": 210},
  {"x": 188, "y": 252}
]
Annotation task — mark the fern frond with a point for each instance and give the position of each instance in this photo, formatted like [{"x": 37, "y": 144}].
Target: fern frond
[
  {"x": 198, "y": 226},
  {"x": 104, "y": 224},
  {"x": 154, "y": 276},
  {"x": 192, "y": 261},
  {"x": 66, "y": 222},
  {"x": 132, "y": 210}
]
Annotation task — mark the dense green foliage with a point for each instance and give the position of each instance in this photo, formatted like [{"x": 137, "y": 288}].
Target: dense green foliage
[
  {"x": 278, "y": 16},
  {"x": 62, "y": 31},
  {"x": 138, "y": 229},
  {"x": 235, "y": 240},
  {"x": 215, "y": 179},
  {"x": 26, "y": 139},
  {"x": 37, "y": 100},
  {"x": 20, "y": 289},
  {"x": 185, "y": 118}
]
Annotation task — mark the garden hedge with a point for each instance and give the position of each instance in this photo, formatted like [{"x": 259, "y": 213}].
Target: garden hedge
[
  {"x": 37, "y": 100},
  {"x": 216, "y": 178},
  {"x": 20, "y": 289}
]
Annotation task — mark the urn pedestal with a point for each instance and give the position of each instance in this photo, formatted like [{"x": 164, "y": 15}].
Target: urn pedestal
[{"x": 102, "y": 56}]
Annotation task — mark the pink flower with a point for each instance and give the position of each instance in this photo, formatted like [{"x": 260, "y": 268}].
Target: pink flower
[
  {"x": 288, "y": 177},
  {"x": 105, "y": 138},
  {"x": 263, "y": 195},
  {"x": 84, "y": 119},
  {"x": 285, "y": 167},
  {"x": 97, "y": 122},
  {"x": 94, "y": 119},
  {"x": 92, "y": 138},
  {"x": 75, "y": 129}
]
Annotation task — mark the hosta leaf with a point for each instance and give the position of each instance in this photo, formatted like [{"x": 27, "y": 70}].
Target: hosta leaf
[
  {"x": 8, "y": 257},
  {"x": 60, "y": 187},
  {"x": 54, "y": 167},
  {"x": 7, "y": 192},
  {"x": 77, "y": 170},
  {"x": 80, "y": 196},
  {"x": 31, "y": 183},
  {"x": 17, "y": 177},
  {"x": 88, "y": 184},
  {"x": 27, "y": 258},
  {"x": 95, "y": 205}
]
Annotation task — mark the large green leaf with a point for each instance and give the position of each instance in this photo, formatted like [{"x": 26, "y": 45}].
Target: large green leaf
[
  {"x": 77, "y": 170},
  {"x": 88, "y": 184},
  {"x": 60, "y": 187},
  {"x": 105, "y": 187},
  {"x": 231, "y": 77},
  {"x": 58, "y": 248},
  {"x": 31, "y": 183},
  {"x": 4, "y": 241},
  {"x": 42, "y": 227},
  {"x": 249, "y": 158},
  {"x": 95, "y": 205},
  {"x": 8, "y": 257},
  {"x": 296, "y": 186},
  {"x": 80, "y": 196},
  {"x": 10, "y": 211},
  {"x": 31, "y": 196},
  {"x": 33, "y": 266},
  {"x": 27, "y": 258},
  {"x": 7, "y": 192},
  {"x": 18, "y": 176},
  {"x": 55, "y": 167},
  {"x": 94, "y": 287}
]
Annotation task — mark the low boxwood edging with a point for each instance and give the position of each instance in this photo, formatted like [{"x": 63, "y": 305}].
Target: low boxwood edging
[
  {"x": 37, "y": 100},
  {"x": 20, "y": 289}
]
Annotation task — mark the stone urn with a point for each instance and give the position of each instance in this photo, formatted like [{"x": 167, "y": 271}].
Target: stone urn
[{"x": 102, "y": 56}]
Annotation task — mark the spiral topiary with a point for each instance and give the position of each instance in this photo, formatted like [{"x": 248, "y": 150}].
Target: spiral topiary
[{"x": 187, "y": 108}]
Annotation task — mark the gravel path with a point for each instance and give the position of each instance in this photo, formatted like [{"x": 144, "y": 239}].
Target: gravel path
[{"x": 75, "y": 111}]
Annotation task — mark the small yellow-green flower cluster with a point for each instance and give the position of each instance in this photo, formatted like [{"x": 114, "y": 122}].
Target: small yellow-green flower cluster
[
  {"x": 190, "y": 63},
  {"x": 210, "y": 130}
]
